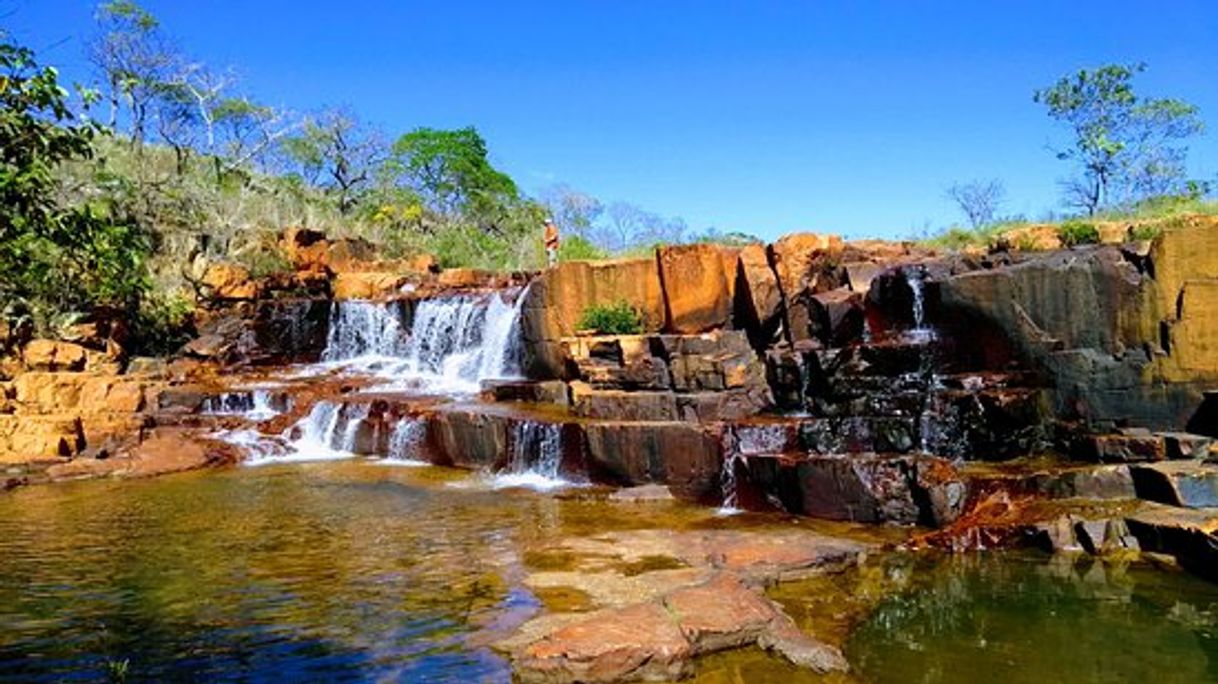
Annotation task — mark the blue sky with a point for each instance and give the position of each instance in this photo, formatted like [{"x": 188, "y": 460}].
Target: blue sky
[{"x": 764, "y": 117}]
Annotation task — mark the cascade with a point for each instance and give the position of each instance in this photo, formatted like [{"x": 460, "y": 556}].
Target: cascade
[
  {"x": 404, "y": 442},
  {"x": 916, "y": 279},
  {"x": 536, "y": 457},
  {"x": 453, "y": 343},
  {"x": 256, "y": 404}
]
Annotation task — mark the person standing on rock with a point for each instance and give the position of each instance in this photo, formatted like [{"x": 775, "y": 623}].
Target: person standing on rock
[{"x": 551, "y": 238}]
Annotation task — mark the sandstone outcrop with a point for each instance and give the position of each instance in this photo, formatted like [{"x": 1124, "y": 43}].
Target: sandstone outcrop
[{"x": 696, "y": 288}]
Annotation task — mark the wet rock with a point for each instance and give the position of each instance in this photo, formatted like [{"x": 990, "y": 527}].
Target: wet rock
[
  {"x": 464, "y": 277},
  {"x": 617, "y": 362},
  {"x": 540, "y": 392},
  {"x": 1191, "y": 484},
  {"x": 306, "y": 249},
  {"x": 623, "y": 405},
  {"x": 733, "y": 404},
  {"x": 289, "y": 330},
  {"x": 683, "y": 456},
  {"x": 1185, "y": 445},
  {"x": 695, "y": 285},
  {"x": 648, "y": 493},
  {"x": 1058, "y": 535},
  {"x": 636, "y": 642},
  {"x": 1188, "y": 534},
  {"x": 1125, "y": 447},
  {"x": 1105, "y": 537},
  {"x": 469, "y": 439},
  {"x": 837, "y": 316}
]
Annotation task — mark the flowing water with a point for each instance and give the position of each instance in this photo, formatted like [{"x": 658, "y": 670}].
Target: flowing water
[{"x": 448, "y": 345}]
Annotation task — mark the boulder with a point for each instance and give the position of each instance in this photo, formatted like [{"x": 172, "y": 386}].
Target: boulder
[
  {"x": 695, "y": 285},
  {"x": 230, "y": 281},
  {"x": 556, "y": 301},
  {"x": 27, "y": 439},
  {"x": 615, "y": 404},
  {"x": 837, "y": 316},
  {"x": 367, "y": 285},
  {"x": 758, "y": 298},
  {"x": 1191, "y": 484},
  {"x": 806, "y": 263},
  {"x": 469, "y": 439},
  {"x": 53, "y": 355},
  {"x": 464, "y": 277},
  {"x": 1188, "y": 534},
  {"x": 349, "y": 254},
  {"x": 683, "y": 456},
  {"x": 306, "y": 249}
]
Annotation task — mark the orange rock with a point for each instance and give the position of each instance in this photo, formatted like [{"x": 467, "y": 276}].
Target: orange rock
[
  {"x": 806, "y": 263},
  {"x": 349, "y": 254},
  {"x": 306, "y": 249},
  {"x": 464, "y": 277},
  {"x": 53, "y": 355},
  {"x": 695, "y": 288},
  {"x": 230, "y": 281},
  {"x": 367, "y": 285},
  {"x": 760, "y": 301},
  {"x": 27, "y": 439}
]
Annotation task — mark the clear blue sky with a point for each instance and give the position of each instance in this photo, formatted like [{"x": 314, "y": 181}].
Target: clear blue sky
[{"x": 765, "y": 117}]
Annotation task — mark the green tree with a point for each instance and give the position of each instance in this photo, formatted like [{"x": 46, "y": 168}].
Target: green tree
[
  {"x": 337, "y": 152},
  {"x": 54, "y": 257},
  {"x": 135, "y": 60},
  {"x": 1126, "y": 147},
  {"x": 451, "y": 172}
]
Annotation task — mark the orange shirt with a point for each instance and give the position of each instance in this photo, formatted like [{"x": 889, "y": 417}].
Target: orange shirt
[{"x": 551, "y": 237}]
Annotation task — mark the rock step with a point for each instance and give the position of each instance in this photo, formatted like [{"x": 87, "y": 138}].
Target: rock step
[
  {"x": 1188, "y": 484},
  {"x": 859, "y": 487},
  {"x": 1188, "y": 534},
  {"x": 1051, "y": 480},
  {"x": 1139, "y": 445}
]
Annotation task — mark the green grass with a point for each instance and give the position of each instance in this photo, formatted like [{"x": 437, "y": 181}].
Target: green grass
[{"x": 619, "y": 318}]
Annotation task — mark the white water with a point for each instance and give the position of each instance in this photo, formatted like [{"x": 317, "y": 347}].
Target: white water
[
  {"x": 452, "y": 345},
  {"x": 255, "y": 404},
  {"x": 404, "y": 443},
  {"x": 729, "y": 485},
  {"x": 915, "y": 278},
  {"x": 536, "y": 458},
  {"x": 328, "y": 432}
]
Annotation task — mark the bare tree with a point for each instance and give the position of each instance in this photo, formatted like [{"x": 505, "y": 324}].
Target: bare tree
[
  {"x": 979, "y": 200},
  {"x": 574, "y": 211},
  {"x": 336, "y": 150},
  {"x": 134, "y": 58}
]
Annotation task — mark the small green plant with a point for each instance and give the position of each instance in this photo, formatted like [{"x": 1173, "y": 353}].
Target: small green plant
[
  {"x": 1073, "y": 233},
  {"x": 117, "y": 671},
  {"x": 579, "y": 248},
  {"x": 1144, "y": 232},
  {"x": 619, "y": 318}
]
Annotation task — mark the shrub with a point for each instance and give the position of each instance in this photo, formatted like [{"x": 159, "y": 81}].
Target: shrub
[
  {"x": 1144, "y": 232},
  {"x": 579, "y": 248},
  {"x": 1073, "y": 233},
  {"x": 619, "y": 318}
]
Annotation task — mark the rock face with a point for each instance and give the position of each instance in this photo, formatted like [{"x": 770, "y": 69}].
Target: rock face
[
  {"x": 231, "y": 282},
  {"x": 696, "y": 290},
  {"x": 1124, "y": 337},
  {"x": 557, "y": 300},
  {"x": 806, "y": 263},
  {"x": 758, "y": 297}
]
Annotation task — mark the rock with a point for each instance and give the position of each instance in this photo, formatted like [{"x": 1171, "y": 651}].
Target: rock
[
  {"x": 805, "y": 263},
  {"x": 721, "y": 614},
  {"x": 859, "y": 274},
  {"x": 837, "y": 316},
  {"x": 683, "y": 456},
  {"x": 53, "y": 355},
  {"x": 28, "y": 439},
  {"x": 291, "y": 330},
  {"x": 730, "y": 404},
  {"x": 150, "y": 366},
  {"x": 617, "y": 362},
  {"x": 758, "y": 299},
  {"x": 165, "y": 451},
  {"x": 1126, "y": 448},
  {"x": 648, "y": 493},
  {"x": 622, "y": 404},
  {"x": 306, "y": 249},
  {"x": 469, "y": 439},
  {"x": 367, "y": 285},
  {"x": 557, "y": 300},
  {"x": 230, "y": 281},
  {"x": 464, "y": 278},
  {"x": 1188, "y": 534},
  {"x": 636, "y": 642},
  {"x": 1191, "y": 484},
  {"x": 349, "y": 254},
  {"x": 1058, "y": 535},
  {"x": 1105, "y": 537},
  {"x": 1185, "y": 445},
  {"x": 552, "y": 392},
  {"x": 695, "y": 288}
]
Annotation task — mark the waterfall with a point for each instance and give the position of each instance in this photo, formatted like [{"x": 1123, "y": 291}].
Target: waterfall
[
  {"x": 536, "y": 457},
  {"x": 404, "y": 443},
  {"x": 453, "y": 343},
  {"x": 256, "y": 404},
  {"x": 916, "y": 279},
  {"x": 729, "y": 485},
  {"x": 364, "y": 329}
]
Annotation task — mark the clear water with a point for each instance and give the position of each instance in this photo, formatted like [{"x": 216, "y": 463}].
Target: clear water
[{"x": 345, "y": 571}]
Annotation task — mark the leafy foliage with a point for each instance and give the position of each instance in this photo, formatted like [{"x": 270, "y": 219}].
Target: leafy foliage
[
  {"x": 1074, "y": 233},
  {"x": 1126, "y": 147},
  {"x": 579, "y": 248},
  {"x": 619, "y": 318},
  {"x": 56, "y": 256}
]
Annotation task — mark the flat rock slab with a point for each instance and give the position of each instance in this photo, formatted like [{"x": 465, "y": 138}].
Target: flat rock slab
[
  {"x": 663, "y": 597},
  {"x": 1191, "y": 484},
  {"x": 1189, "y": 534}
]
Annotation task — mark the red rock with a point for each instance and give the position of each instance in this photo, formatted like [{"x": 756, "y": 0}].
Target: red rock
[
  {"x": 759, "y": 299},
  {"x": 230, "y": 281},
  {"x": 720, "y": 614},
  {"x": 53, "y": 355}
]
